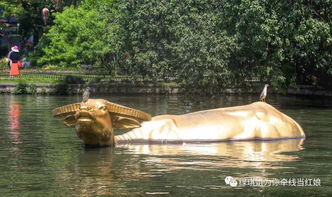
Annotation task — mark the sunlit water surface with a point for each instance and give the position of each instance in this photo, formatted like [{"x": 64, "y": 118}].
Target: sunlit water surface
[{"x": 39, "y": 156}]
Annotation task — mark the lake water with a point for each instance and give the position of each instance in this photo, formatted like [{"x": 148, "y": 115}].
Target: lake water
[{"x": 41, "y": 157}]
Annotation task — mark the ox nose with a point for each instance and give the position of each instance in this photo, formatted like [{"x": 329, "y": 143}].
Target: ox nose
[{"x": 85, "y": 112}]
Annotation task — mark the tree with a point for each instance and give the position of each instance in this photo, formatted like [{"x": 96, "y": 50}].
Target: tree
[
  {"x": 29, "y": 14},
  {"x": 81, "y": 35},
  {"x": 281, "y": 42},
  {"x": 206, "y": 44},
  {"x": 177, "y": 39}
]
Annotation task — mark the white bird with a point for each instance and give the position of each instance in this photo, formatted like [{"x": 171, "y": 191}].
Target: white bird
[
  {"x": 264, "y": 93},
  {"x": 86, "y": 95}
]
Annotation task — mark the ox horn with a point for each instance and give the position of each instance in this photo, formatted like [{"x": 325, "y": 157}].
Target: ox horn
[
  {"x": 66, "y": 110},
  {"x": 126, "y": 111}
]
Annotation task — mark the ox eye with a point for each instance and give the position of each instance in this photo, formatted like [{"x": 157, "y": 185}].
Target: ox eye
[{"x": 102, "y": 107}]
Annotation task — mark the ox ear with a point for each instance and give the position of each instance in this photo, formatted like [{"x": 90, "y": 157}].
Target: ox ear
[
  {"x": 120, "y": 122},
  {"x": 69, "y": 121}
]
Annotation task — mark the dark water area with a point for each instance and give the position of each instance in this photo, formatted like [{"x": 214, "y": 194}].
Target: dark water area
[{"x": 41, "y": 157}]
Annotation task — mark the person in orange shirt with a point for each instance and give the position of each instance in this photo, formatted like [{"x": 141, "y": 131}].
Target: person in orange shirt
[{"x": 14, "y": 58}]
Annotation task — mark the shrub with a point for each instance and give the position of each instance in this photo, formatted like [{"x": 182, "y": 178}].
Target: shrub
[
  {"x": 3, "y": 64},
  {"x": 21, "y": 88}
]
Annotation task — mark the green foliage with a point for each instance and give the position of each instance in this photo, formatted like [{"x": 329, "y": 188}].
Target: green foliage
[
  {"x": 73, "y": 80},
  {"x": 281, "y": 42},
  {"x": 29, "y": 14},
  {"x": 38, "y": 53},
  {"x": 210, "y": 44},
  {"x": 21, "y": 88},
  {"x": 43, "y": 91},
  {"x": 3, "y": 64},
  {"x": 31, "y": 89},
  {"x": 201, "y": 44},
  {"x": 79, "y": 36},
  {"x": 179, "y": 40}
]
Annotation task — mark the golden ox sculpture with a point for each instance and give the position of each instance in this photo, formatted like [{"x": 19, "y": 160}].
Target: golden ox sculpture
[{"x": 96, "y": 119}]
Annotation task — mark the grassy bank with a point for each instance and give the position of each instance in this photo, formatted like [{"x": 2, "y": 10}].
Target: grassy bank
[
  {"x": 71, "y": 77},
  {"x": 74, "y": 82},
  {"x": 51, "y": 77}
]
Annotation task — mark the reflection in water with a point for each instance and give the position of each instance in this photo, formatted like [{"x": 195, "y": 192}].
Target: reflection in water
[
  {"x": 107, "y": 168},
  {"x": 239, "y": 154},
  {"x": 103, "y": 172},
  {"x": 14, "y": 115},
  {"x": 14, "y": 120}
]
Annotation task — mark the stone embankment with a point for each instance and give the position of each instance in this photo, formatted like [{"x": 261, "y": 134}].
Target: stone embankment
[{"x": 71, "y": 89}]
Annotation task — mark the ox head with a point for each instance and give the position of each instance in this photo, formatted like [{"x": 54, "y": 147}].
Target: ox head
[{"x": 95, "y": 119}]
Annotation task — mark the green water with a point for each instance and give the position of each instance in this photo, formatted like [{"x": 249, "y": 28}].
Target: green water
[{"x": 41, "y": 157}]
